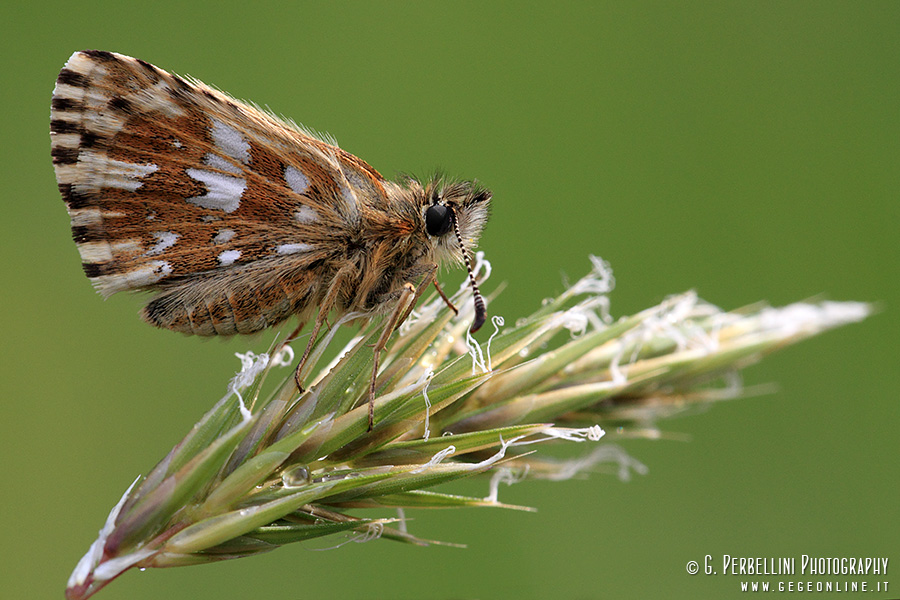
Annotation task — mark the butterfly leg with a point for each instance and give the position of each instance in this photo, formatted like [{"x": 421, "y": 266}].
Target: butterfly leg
[
  {"x": 443, "y": 295},
  {"x": 312, "y": 340},
  {"x": 293, "y": 336},
  {"x": 287, "y": 341},
  {"x": 321, "y": 317},
  {"x": 409, "y": 295}
]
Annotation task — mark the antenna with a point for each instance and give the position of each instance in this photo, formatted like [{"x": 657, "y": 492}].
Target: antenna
[{"x": 480, "y": 310}]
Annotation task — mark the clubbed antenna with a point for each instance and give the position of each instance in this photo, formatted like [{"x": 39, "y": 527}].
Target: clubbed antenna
[{"x": 480, "y": 310}]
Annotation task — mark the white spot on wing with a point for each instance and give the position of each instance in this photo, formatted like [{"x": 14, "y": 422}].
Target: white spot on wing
[
  {"x": 349, "y": 197},
  {"x": 224, "y": 191},
  {"x": 293, "y": 248},
  {"x": 95, "y": 252},
  {"x": 129, "y": 246},
  {"x": 296, "y": 179},
  {"x": 144, "y": 275},
  {"x": 117, "y": 173},
  {"x": 164, "y": 240},
  {"x": 96, "y": 119},
  {"x": 228, "y": 257},
  {"x": 156, "y": 98},
  {"x": 306, "y": 215},
  {"x": 69, "y": 140},
  {"x": 147, "y": 274},
  {"x": 217, "y": 162},
  {"x": 224, "y": 235},
  {"x": 230, "y": 141},
  {"x": 86, "y": 216},
  {"x": 351, "y": 203}
]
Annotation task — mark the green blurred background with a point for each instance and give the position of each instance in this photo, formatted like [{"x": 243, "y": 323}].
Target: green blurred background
[{"x": 747, "y": 150}]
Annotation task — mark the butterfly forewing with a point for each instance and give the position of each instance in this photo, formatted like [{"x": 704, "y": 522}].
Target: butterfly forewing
[{"x": 172, "y": 185}]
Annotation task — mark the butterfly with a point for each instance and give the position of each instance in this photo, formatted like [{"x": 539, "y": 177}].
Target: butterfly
[{"x": 237, "y": 220}]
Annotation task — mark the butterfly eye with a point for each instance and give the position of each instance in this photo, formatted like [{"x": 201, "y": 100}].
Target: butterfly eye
[{"x": 438, "y": 219}]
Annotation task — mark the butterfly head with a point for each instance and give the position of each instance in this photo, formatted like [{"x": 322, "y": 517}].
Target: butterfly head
[{"x": 454, "y": 215}]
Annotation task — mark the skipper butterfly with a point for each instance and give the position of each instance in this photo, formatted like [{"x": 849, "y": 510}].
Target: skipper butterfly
[{"x": 237, "y": 220}]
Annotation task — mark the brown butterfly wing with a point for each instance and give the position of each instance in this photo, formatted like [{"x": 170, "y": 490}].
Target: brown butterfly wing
[{"x": 173, "y": 186}]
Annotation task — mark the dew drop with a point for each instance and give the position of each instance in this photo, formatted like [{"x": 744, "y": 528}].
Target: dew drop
[{"x": 296, "y": 476}]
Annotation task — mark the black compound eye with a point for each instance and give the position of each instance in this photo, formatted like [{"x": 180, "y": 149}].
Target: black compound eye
[{"x": 438, "y": 219}]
